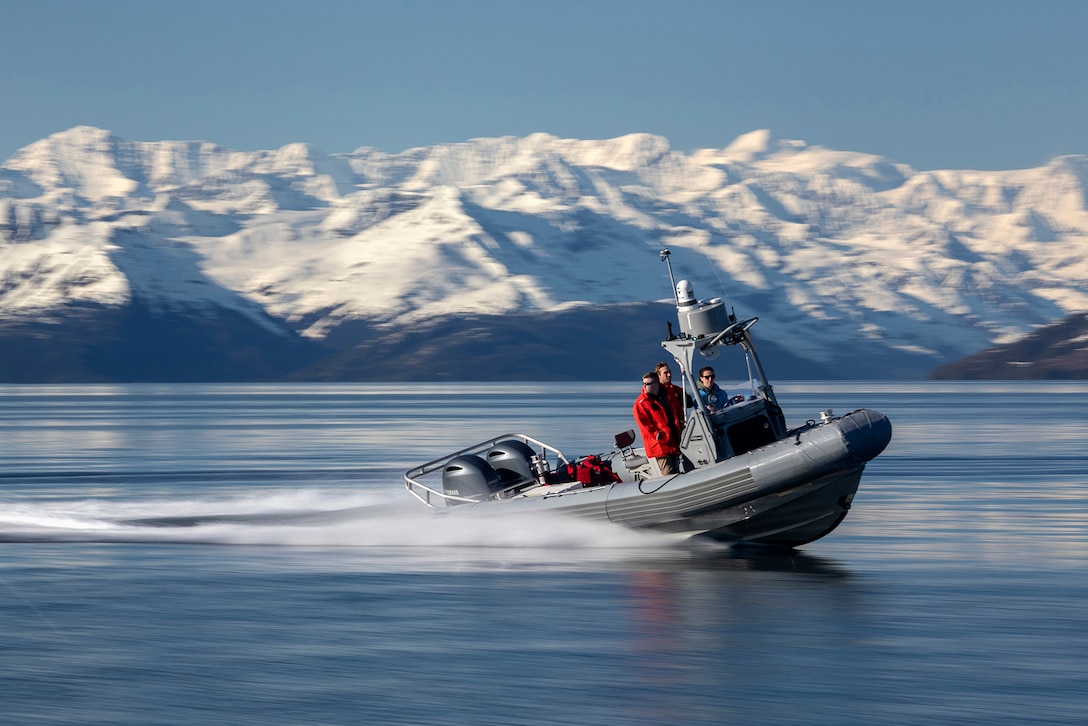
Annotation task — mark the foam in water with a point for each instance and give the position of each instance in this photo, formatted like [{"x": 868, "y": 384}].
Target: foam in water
[{"x": 305, "y": 517}]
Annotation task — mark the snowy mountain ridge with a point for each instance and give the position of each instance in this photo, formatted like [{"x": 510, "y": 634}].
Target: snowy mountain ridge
[{"x": 834, "y": 250}]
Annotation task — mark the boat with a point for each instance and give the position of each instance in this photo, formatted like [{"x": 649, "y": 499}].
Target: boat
[{"x": 745, "y": 477}]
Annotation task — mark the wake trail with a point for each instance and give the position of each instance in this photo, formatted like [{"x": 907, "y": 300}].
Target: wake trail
[{"x": 306, "y": 518}]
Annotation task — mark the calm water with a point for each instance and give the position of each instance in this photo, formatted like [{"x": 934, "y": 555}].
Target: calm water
[{"x": 247, "y": 555}]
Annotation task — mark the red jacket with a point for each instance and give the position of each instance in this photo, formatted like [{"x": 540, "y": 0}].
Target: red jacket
[
  {"x": 675, "y": 394},
  {"x": 659, "y": 438}
]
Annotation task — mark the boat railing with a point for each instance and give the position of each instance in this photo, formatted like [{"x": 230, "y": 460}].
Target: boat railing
[{"x": 424, "y": 492}]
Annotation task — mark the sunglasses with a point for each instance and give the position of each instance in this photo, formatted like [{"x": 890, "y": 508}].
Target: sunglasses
[{"x": 707, "y": 375}]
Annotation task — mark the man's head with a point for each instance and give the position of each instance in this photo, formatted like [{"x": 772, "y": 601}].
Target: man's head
[
  {"x": 650, "y": 383},
  {"x": 664, "y": 373},
  {"x": 707, "y": 376}
]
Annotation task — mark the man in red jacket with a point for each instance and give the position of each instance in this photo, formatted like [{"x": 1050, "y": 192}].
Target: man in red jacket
[
  {"x": 673, "y": 393},
  {"x": 660, "y": 434}
]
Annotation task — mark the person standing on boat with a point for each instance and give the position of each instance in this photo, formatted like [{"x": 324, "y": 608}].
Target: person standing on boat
[
  {"x": 713, "y": 397},
  {"x": 673, "y": 394},
  {"x": 660, "y": 434}
]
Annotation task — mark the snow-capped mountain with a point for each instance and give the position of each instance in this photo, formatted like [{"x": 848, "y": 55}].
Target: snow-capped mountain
[{"x": 849, "y": 259}]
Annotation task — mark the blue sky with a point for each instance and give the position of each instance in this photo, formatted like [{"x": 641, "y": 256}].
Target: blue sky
[{"x": 962, "y": 84}]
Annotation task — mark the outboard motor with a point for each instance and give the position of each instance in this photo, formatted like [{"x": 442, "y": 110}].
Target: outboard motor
[
  {"x": 513, "y": 460},
  {"x": 471, "y": 477}
]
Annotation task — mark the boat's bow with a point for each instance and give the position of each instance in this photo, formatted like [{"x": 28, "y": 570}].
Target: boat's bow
[{"x": 865, "y": 434}]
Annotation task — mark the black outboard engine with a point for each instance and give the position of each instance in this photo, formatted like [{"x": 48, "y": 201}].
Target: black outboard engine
[
  {"x": 513, "y": 460},
  {"x": 471, "y": 477}
]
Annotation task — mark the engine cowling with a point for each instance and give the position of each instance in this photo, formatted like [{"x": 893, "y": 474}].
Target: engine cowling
[{"x": 470, "y": 477}]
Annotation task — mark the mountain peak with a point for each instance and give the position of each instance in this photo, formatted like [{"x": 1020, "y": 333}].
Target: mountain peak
[
  {"x": 750, "y": 146},
  {"x": 82, "y": 136},
  {"x": 82, "y": 159}
]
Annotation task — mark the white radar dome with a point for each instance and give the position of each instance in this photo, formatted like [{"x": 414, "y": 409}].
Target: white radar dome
[{"x": 685, "y": 294}]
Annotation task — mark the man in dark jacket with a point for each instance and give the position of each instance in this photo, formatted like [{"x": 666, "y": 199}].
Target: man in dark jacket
[{"x": 713, "y": 397}]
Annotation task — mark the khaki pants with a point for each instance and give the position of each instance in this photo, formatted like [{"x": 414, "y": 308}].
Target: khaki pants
[{"x": 667, "y": 464}]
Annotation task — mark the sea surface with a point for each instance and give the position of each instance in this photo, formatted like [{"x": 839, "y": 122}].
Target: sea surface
[{"x": 247, "y": 554}]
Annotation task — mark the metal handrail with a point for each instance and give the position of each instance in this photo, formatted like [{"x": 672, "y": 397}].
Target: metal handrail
[{"x": 411, "y": 477}]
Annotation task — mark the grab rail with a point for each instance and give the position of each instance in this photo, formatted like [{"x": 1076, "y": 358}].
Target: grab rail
[{"x": 423, "y": 492}]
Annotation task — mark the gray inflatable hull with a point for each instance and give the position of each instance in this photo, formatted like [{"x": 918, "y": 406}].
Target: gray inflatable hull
[{"x": 786, "y": 493}]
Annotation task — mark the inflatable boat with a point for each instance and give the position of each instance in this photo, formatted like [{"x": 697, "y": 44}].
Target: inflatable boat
[{"x": 744, "y": 475}]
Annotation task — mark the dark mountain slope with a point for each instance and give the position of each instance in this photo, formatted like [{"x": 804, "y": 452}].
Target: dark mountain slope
[
  {"x": 133, "y": 344},
  {"x": 1058, "y": 351}
]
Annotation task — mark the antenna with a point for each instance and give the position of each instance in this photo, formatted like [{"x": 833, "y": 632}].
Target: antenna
[{"x": 665, "y": 258}]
